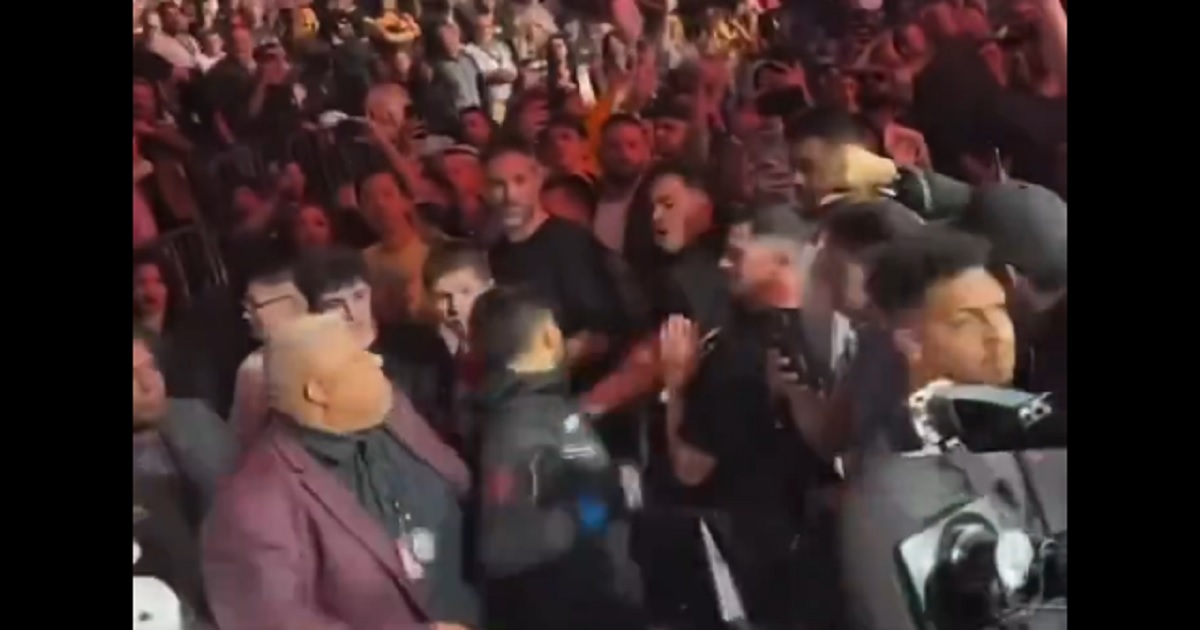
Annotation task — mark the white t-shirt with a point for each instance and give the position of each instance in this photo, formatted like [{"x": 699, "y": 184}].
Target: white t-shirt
[
  {"x": 181, "y": 51},
  {"x": 490, "y": 57}
]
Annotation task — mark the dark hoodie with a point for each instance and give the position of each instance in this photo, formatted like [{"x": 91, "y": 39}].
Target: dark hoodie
[{"x": 553, "y": 542}]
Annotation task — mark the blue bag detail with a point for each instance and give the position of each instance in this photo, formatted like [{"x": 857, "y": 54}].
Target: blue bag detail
[{"x": 593, "y": 514}]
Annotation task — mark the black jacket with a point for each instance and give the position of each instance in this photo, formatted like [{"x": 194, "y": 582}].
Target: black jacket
[{"x": 553, "y": 541}]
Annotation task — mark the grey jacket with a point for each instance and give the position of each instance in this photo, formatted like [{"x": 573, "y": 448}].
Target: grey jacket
[{"x": 203, "y": 448}]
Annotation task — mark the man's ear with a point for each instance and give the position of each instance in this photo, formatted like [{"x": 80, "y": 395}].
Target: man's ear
[
  {"x": 315, "y": 393},
  {"x": 907, "y": 343}
]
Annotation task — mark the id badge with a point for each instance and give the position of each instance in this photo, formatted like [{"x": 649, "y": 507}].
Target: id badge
[{"x": 424, "y": 545}]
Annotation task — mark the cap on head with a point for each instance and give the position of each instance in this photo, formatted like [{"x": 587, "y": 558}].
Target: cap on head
[{"x": 1026, "y": 225}]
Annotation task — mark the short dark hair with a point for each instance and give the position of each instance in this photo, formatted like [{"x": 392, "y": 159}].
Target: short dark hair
[
  {"x": 264, "y": 263},
  {"x": 567, "y": 121},
  {"x": 858, "y": 227},
  {"x": 620, "y": 119},
  {"x": 452, "y": 257},
  {"x": 690, "y": 176},
  {"x": 904, "y": 270},
  {"x": 505, "y": 148},
  {"x": 504, "y": 322},
  {"x": 577, "y": 186},
  {"x": 374, "y": 172},
  {"x": 830, "y": 124},
  {"x": 322, "y": 271}
]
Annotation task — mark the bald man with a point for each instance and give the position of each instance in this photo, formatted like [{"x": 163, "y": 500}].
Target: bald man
[{"x": 345, "y": 514}]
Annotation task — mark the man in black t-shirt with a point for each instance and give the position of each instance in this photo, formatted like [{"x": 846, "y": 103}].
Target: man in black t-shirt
[{"x": 561, "y": 261}]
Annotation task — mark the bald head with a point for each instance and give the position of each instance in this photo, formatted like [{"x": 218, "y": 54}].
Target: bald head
[{"x": 318, "y": 373}]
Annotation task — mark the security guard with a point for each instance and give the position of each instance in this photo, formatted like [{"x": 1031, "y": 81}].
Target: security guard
[{"x": 553, "y": 533}]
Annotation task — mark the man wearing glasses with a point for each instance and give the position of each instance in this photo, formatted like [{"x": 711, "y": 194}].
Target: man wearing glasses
[{"x": 270, "y": 298}]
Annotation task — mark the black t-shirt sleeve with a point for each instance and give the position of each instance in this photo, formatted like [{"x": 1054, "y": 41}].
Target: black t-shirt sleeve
[
  {"x": 724, "y": 402},
  {"x": 670, "y": 300}
]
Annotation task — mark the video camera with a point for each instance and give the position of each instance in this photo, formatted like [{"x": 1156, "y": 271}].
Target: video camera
[{"x": 977, "y": 566}]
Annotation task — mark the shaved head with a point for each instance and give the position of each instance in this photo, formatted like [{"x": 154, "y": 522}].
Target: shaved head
[{"x": 318, "y": 373}]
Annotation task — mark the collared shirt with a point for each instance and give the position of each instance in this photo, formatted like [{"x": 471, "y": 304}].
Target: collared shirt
[{"x": 402, "y": 493}]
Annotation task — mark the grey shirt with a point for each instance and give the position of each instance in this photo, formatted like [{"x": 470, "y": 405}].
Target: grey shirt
[
  {"x": 461, "y": 73},
  {"x": 176, "y": 469}
]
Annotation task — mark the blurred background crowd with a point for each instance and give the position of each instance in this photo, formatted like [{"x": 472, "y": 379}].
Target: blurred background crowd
[{"x": 732, "y": 235}]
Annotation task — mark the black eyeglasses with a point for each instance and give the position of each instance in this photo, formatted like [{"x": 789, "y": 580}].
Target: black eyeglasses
[{"x": 249, "y": 307}]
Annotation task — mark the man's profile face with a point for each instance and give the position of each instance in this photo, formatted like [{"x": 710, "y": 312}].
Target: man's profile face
[
  {"x": 675, "y": 206},
  {"x": 353, "y": 302},
  {"x": 748, "y": 264},
  {"x": 965, "y": 331},
  {"x": 454, "y": 296},
  {"x": 149, "y": 389},
  {"x": 814, "y": 166},
  {"x": 670, "y": 137},
  {"x": 271, "y": 304},
  {"x": 514, "y": 182},
  {"x": 625, "y": 151},
  {"x": 350, "y": 376},
  {"x": 388, "y": 209}
]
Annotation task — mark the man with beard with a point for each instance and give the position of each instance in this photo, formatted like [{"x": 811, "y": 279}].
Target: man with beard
[
  {"x": 688, "y": 283},
  {"x": 625, "y": 154},
  {"x": 180, "y": 451},
  {"x": 1026, "y": 225},
  {"x": 734, "y": 440},
  {"x": 562, "y": 262},
  {"x": 948, "y": 319}
]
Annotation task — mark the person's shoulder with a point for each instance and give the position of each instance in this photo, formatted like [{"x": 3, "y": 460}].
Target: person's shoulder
[
  {"x": 252, "y": 364},
  {"x": 256, "y": 488},
  {"x": 187, "y": 411},
  {"x": 569, "y": 233}
]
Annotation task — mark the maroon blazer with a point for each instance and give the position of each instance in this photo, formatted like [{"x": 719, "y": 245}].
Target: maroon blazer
[{"x": 287, "y": 546}]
